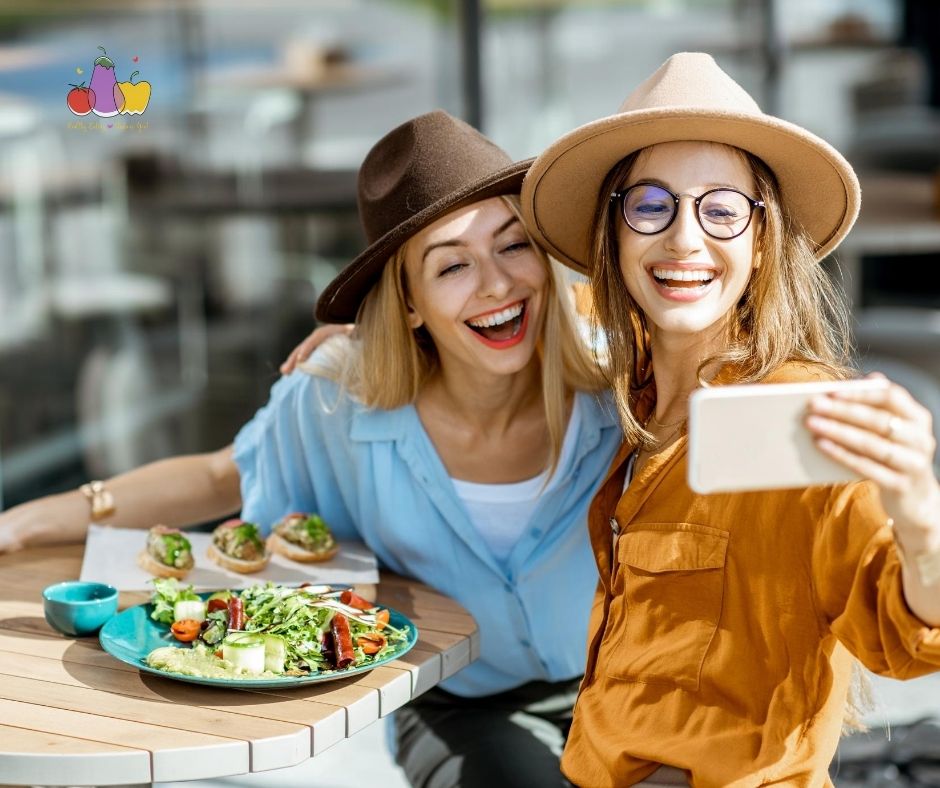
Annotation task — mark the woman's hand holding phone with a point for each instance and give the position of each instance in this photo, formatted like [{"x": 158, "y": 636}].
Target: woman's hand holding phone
[{"x": 887, "y": 436}]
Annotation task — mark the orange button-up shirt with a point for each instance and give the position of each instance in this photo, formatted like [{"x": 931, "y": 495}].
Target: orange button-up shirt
[{"x": 723, "y": 626}]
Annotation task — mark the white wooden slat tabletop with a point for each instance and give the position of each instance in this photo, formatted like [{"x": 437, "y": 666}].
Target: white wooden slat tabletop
[{"x": 72, "y": 714}]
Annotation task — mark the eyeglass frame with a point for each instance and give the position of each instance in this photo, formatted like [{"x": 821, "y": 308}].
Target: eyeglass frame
[{"x": 621, "y": 194}]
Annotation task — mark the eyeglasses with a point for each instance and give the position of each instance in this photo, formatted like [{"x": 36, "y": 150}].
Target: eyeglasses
[{"x": 649, "y": 209}]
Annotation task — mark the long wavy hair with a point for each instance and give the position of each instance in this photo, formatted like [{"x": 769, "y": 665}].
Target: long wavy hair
[
  {"x": 390, "y": 362},
  {"x": 790, "y": 309}
]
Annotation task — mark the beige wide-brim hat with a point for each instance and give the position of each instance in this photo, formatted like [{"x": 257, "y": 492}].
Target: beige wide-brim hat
[{"x": 688, "y": 98}]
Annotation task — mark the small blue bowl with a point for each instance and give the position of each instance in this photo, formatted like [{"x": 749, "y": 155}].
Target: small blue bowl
[{"x": 77, "y": 607}]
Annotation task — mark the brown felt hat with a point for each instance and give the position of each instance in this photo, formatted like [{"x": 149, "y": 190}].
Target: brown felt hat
[
  {"x": 688, "y": 98},
  {"x": 425, "y": 168}
]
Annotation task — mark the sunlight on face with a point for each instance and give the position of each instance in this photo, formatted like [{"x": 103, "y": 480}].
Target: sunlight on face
[
  {"x": 478, "y": 287},
  {"x": 686, "y": 281}
]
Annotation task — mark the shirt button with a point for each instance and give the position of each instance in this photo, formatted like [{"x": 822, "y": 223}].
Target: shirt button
[
  {"x": 536, "y": 533},
  {"x": 525, "y": 643},
  {"x": 507, "y": 588}
]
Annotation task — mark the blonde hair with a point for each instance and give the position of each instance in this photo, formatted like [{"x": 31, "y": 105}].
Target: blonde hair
[
  {"x": 789, "y": 311},
  {"x": 391, "y": 362}
]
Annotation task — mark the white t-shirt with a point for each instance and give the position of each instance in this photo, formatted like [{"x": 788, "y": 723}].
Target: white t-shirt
[{"x": 501, "y": 512}]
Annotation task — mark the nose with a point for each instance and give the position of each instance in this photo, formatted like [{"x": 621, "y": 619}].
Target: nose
[
  {"x": 684, "y": 237},
  {"x": 495, "y": 282}
]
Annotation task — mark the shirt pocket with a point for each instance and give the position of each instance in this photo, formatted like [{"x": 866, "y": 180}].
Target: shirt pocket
[{"x": 672, "y": 576}]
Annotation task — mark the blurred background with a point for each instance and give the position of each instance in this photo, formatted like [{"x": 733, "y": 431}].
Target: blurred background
[{"x": 158, "y": 264}]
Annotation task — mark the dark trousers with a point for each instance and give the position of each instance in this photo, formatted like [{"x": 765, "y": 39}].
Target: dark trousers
[{"x": 510, "y": 740}]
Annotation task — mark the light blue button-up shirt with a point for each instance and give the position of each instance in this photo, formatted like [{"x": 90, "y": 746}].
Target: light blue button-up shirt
[{"x": 374, "y": 475}]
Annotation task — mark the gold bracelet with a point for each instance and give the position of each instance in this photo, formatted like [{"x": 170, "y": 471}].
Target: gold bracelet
[{"x": 101, "y": 500}]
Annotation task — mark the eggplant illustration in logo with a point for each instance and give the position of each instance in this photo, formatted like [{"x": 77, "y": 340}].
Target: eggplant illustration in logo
[{"x": 108, "y": 96}]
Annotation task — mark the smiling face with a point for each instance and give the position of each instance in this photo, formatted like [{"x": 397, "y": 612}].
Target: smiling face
[
  {"x": 478, "y": 287},
  {"x": 685, "y": 281}
]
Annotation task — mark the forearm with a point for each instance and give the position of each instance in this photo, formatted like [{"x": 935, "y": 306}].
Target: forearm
[
  {"x": 178, "y": 491},
  {"x": 920, "y": 574}
]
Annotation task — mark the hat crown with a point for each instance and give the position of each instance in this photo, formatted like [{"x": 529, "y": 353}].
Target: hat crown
[
  {"x": 423, "y": 161},
  {"x": 690, "y": 80}
]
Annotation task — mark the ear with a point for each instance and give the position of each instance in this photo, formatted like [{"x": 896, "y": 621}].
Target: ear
[{"x": 414, "y": 319}]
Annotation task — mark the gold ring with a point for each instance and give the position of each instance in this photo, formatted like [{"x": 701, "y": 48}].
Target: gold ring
[{"x": 893, "y": 423}]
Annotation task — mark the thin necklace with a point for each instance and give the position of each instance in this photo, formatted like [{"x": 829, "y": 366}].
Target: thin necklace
[
  {"x": 665, "y": 426},
  {"x": 664, "y": 441}
]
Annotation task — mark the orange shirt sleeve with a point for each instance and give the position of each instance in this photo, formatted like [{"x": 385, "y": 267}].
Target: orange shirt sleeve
[{"x": 857, "y": 577}]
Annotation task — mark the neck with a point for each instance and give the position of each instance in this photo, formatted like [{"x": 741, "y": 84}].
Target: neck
[
  {"x": 487, "y": 403},
  {"x": 676, "y": 360}
]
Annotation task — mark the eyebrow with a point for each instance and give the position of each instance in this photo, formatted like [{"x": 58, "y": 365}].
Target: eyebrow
[
  {"x": 454, "y": 242},
  {"x": 664, "y": 185}
]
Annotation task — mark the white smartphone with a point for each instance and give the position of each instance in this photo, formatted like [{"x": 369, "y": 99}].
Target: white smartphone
[{"x": 753, "y": 437}]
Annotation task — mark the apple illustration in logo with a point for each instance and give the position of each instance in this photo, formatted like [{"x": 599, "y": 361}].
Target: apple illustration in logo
[
  {"x": 108, "y": 98},
  {"x": 80, "y": 100}
]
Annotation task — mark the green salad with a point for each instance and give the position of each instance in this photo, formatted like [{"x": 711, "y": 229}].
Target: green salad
[{"x": 270, "y": 631}]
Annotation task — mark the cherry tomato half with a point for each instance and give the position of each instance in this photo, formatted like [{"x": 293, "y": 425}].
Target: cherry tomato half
[
  {"x": 381, "y": 618},
  {"x": 371, "y": 642},
  {"x": 216, "y": 604},
  {"x": 186, "y": 630}
]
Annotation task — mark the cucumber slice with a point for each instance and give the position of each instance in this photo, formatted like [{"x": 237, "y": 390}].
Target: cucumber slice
[
  {"x": 245, "y": 650},
  {"x": 275, "y": 652},
  {"x": 186, "y": 609}
]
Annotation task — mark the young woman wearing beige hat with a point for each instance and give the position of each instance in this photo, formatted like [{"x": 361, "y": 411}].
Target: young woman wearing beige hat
[
  {"x": 461, "y": 437},
  {"x": 726, "y": 626}
]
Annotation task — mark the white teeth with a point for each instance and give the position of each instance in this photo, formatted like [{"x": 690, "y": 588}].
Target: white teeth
[
  {"x": 683, "y": 276},
  {"x": 497, "y": 318}
]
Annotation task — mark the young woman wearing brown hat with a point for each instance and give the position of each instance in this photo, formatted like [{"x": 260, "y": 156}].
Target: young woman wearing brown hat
[
  {"x": 725, "y": 626},
  {"x": 460, "y": 436}
]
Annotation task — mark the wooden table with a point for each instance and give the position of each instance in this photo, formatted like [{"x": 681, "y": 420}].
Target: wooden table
[{"x": 71, "y": 714}]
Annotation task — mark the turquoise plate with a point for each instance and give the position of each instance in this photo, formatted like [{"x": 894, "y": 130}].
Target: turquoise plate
[{"x": 131, "y": 635}]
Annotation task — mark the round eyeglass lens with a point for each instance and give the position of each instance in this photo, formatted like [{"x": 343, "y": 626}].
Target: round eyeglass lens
[
  {"x": 724, "y": 213},
  {"x": 648, "y": 208}
]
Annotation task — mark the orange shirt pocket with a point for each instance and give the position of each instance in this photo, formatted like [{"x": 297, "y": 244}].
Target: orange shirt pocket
[{"x": 671, "y": 576}]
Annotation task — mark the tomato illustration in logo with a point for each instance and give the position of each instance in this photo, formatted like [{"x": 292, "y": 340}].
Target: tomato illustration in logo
[{"x": 80, "y": 100}]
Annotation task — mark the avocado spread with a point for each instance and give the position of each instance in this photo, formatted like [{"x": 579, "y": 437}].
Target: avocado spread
[{"x": 200, "y": 661}]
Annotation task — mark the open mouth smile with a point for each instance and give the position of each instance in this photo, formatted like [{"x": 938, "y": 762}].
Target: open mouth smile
[
  {"x": 683, "y": 284},
  {"x": 502, "y": 328}
]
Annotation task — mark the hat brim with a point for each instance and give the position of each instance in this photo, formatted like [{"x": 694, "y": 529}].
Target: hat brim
[
  {"x": 561, "y": 191},
  {"x": 341, "y": 299}
]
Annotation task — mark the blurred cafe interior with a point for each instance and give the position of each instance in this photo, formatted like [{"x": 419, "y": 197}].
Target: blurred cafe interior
[{"x": 157, "y": 266}]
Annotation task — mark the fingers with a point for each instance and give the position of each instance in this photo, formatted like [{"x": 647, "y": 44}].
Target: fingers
[
  {"x": 892, "y": 398},
  {"x": 887, "y": 462},
  {"x": 883, "y": 434},
  {"x": 883, "y": 475},
  {"x": 914, "y": 432},
  {"x": 305, "y": 349}
]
